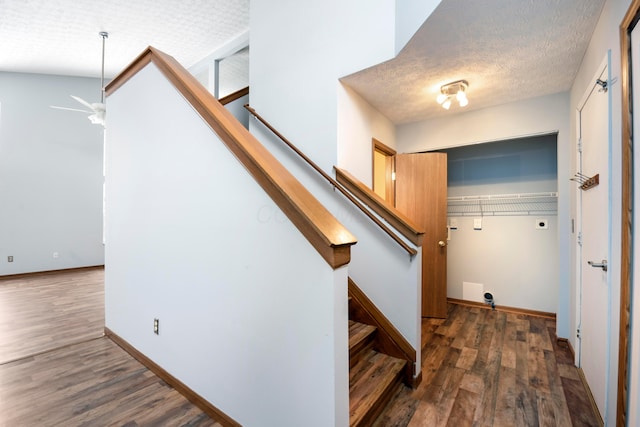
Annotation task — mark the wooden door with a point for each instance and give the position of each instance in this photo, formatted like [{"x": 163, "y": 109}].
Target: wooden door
[
  {"x": 421, "y": 194},
  {"x": 595, "y": 289}
]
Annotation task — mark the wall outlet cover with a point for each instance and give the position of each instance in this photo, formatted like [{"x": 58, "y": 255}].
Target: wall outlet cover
[{"x": 477, "y": 223}]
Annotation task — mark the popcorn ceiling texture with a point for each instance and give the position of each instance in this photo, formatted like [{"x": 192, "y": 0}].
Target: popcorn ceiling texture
[
  {"x": 507, "y": 50},
  {"x": 61, "y": 36}
]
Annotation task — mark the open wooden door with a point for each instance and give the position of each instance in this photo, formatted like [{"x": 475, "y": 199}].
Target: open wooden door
[{"x": 421, "y": 194}]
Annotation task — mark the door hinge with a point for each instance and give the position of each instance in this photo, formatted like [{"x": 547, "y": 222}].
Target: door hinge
[
  {"x": 578, "y": 333},
  {"x": 580, "y": 238},
  {"x": 393, "y": 176},
  {"x": 579, "y": 145}
]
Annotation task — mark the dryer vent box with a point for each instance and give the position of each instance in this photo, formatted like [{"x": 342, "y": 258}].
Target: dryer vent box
[{"x": 542, "y": 224}]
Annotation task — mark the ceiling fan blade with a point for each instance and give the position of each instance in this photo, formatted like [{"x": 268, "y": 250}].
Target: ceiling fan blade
[
  {"x": 83, "y": 102},
  {"x": 69, "y": 109}
]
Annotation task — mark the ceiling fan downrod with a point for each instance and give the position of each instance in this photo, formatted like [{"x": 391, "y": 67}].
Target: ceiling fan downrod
[{"x": 104, "y": 36}]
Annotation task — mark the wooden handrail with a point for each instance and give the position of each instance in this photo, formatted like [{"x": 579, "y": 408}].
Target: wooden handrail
[
  {"x": 330, "y": 238},
  {"x": 400, "y": 222},
  {"x": 235, "y": 95},
  {"x": 411, "y": 251}
]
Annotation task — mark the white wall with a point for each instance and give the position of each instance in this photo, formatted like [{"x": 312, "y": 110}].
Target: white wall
[
  {"x": 50, "y": 175},
  {"x": 605, "y": 38},
  {"x": 380, "y": 267},
  {"x": 514, "y": 261},
  {"x": 537, "y": 116},
  {"x": 299, "y": 50},
  {"x": 239, "y": 112},
  {"x": 358, "y": 123},
  {"x": 385, "y": 272},
  {"x": 295, "y": 86},
  {"x": 510, "y": 257},
  {"x": 250, "y": 314},
  {"x": 410, "y": 15}
]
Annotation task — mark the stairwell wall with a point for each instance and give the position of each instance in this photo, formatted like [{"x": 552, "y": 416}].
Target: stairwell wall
[
  {"x": 358, "y": 123},
  {"x": 298, "y": 54},
  {"x": 410, "y": 15},
  {"x": 194, "y": 241}
]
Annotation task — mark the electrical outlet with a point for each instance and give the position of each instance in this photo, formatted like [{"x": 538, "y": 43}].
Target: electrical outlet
[
  {"x": 156, "y": 326},
  {"x": 55, "y": 254},
  {"x": 10, "y": 258}
]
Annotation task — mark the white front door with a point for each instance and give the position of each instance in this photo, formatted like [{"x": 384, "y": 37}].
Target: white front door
[{"x": 595, "y": 228}]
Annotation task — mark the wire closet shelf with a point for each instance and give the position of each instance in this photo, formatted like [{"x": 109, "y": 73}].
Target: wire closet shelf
[{"x": 504, "y": 204}]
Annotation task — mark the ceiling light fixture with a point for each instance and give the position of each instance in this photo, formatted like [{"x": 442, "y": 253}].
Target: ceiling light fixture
[{"x": 457, "y": 90}]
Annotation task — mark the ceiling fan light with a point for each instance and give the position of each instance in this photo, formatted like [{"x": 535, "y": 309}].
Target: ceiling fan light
[
  {"x": 461, "y": 95},
  {"x": 464, "y": 101},
  {"x": 447, "y": 104}
]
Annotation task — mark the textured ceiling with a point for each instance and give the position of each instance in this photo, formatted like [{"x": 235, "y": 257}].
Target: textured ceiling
[
  {"x": 61, "y": 36},
  {"x": 506, "y": 49}
]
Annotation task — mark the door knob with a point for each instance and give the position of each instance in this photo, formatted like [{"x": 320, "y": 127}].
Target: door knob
[
  {"x": 442, "y": 244},
  {"x": 602, "y": 265}
]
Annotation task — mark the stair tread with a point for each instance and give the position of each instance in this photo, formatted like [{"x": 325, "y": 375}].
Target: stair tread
[
  {"x": 359, "y": 333},
  {"x": 371, "y": 383}
]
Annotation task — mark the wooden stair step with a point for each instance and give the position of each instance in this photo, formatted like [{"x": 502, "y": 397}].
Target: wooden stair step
[
  {"x": 360, "y": 340},
  {"x": 372, "y": 383}
]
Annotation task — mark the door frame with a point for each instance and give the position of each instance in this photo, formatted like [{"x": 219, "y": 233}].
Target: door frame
[
  {"x": 390, "y": 169},
  {"x": 626, "y": 268}
]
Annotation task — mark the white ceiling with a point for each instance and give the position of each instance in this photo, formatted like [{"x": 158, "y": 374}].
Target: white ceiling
[
  {"x": 61, "y": 36},
  {"x": 505, "y": 49}
]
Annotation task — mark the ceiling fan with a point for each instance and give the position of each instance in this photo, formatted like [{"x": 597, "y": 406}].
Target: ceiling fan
[{"x": 96, "y": 110}]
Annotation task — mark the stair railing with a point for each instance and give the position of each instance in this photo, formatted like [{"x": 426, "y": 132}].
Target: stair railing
[
  {"x": 330, "y": 238},
  {"x": 411, "y": 251}
]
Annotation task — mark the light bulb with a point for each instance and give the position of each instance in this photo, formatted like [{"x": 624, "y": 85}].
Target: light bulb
[
  {"x": 446, "y": 104},
  {"x": 441, "y": 98},
  {"x": 461, "y": 95},
  {"x": 464, "y": 101}
]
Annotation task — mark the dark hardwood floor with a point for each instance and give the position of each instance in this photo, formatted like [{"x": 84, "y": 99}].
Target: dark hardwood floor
[
  {"x": 491, "y": 368},
  {"x": 480, "y": 367},
  {"x": 57, "y": 369}
]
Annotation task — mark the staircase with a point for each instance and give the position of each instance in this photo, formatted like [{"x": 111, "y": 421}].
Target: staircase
[{"x": 374, "y": 377}]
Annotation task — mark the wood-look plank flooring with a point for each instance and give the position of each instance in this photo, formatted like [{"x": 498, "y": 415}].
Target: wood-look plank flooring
[
  {"x": 480, "y": 367},
  {"x": 56, "y": 368},
  {"x": 41, "y": 312},
  {"x": 491, "y": 368}
]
